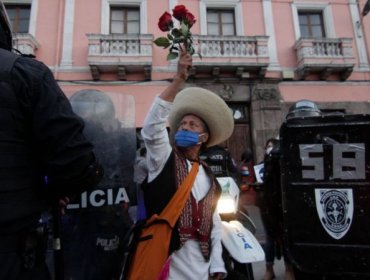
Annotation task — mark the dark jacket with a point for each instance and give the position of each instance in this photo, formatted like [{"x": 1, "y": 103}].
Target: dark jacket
[
  {"x": 43, "y": 153},
  {"x": 271, "y": 203}
]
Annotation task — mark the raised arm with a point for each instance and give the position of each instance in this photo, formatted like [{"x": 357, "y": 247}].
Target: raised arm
[{"x": 183, "y": 66}]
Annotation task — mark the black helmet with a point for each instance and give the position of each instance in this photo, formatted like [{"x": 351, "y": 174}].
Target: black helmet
[
  {"x": 303, "y": 108},
  {"x": 5, "y": 30},
  {"x": 94, "y": 105},
  {"x": 247, "y": 155}
]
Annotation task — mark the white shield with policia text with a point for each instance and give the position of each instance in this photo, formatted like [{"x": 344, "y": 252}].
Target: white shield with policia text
[{"x": 335, "y": 210}]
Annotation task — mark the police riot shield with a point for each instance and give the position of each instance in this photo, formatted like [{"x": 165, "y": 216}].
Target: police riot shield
[
  {"x": 95, "y": 222},
  {"x": 325, "y": 169}
]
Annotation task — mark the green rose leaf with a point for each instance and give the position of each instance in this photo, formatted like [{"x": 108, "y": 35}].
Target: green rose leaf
[
  {"x": 172, "y": 56},
  {"x": 162, "y": 42}
]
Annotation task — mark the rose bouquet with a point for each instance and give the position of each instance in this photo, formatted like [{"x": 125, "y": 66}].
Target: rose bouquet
[{"x": 178, "y": 38}]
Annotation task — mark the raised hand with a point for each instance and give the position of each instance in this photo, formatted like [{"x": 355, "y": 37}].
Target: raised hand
[{"x": 184, "y": 64}]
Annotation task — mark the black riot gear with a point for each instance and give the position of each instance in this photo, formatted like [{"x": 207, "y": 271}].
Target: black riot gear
[
  {"x": 219, "y": 160},
  {"x": 325, "y": 175},
  {"x": 40, "y": 161},
  {"x": 96, "y": 222},
  {"x": 93, "y": 105},
  {"x": 303, "y": 108}
]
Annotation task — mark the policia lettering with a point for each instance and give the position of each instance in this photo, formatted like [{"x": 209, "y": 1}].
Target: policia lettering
[
  {"x": 348, "y": 161},
  {"x": 101, "y": 197}
]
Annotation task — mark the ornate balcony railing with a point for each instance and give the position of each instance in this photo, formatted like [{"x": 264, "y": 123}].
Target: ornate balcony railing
[
  {"x": 231, "y": 46},
  {"x": 25, "y": 43},
  {"x": 244, "y": 54},
  {"x": 324, "y": 56},
  {"x": 120, "y": 52}
]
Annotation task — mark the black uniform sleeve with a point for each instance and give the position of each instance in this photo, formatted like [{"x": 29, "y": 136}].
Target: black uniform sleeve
[
  {"x": 231, "y": 166},
  {"x": 65, "y": 156}
]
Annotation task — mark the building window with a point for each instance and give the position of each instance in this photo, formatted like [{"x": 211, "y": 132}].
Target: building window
[
  {"x": 311, "y": 24},
  {"x": 313, "y": 20},
  {"x": 220, "y": 22},
  {"x": 124, "y": 20},
  {"x": 240, "y": 112},
  {"x": 138, "y": 5},
  {"x": 19, "y": 16}
]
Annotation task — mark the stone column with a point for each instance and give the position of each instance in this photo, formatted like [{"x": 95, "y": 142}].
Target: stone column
[{"x": 266, "y": 116}]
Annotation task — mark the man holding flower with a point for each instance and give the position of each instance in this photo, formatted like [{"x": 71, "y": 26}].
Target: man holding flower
[{"x": 198, "y": 118}]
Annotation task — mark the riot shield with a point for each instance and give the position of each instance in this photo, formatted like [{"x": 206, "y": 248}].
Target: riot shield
[
  {"x": 95, "y": 222},
  {"x": 326, "y": 194}
]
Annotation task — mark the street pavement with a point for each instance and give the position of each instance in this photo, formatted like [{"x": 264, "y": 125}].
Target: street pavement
[
  {"x": 259, "y": 270},
  {"x": 259, "y": 267}
]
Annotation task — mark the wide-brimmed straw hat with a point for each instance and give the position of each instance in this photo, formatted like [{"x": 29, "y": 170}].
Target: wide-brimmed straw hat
[{"x": 206, "y": 105}]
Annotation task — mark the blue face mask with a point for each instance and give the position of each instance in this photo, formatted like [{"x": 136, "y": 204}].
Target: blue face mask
[{"x": 185, "y": 138}]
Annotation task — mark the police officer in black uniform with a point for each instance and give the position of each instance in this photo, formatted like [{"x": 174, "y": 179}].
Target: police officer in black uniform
[
  {"x": 43, "y": 156},
  {"x": 219, "y": 160}
]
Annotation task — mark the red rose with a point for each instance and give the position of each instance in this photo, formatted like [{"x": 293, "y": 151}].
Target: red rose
[
  {"x": 189, "y": 19},
  {"x": 165, "y": 22},
  {"x": 179, "y": 12}
]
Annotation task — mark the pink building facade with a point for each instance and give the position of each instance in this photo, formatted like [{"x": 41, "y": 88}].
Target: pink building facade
[{"x": 260, "y": 56}]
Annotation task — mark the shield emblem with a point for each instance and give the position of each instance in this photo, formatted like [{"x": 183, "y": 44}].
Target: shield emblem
[{"x": 335, "y": 210}]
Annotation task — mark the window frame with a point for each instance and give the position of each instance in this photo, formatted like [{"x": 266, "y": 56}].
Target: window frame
[
  {"x": 327, "y": 16},
  {"x": 220, "y": 23},
  {"x": 235, "y": 5},
  {"x": 310, "y": 25},
  {"x": 33, "y": 13},
  {"x": 124, "y": 22},
  {"x": 17, "y": 19},
  {"x": 106, "y": 12}
]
